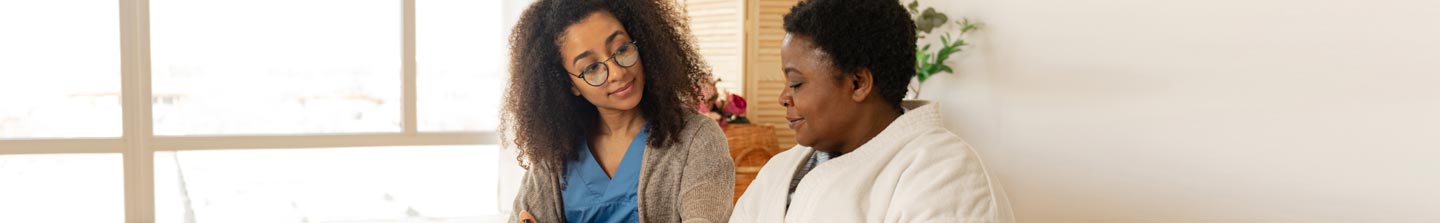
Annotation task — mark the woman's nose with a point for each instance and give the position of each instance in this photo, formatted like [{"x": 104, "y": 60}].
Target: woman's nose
[
  {"x": 617, "y": 72},
  {"x": 785, "y": 99}
]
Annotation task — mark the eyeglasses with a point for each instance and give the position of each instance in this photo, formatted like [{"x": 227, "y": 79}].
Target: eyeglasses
[{"x": 597, "y": 73}]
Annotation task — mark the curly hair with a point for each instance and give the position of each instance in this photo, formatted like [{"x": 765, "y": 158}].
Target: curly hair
[
  {"x": 547, "y": 121},
  {"x": 874, "y": 34}
]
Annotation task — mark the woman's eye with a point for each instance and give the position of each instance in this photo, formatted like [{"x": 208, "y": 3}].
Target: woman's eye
[
  {"x": 622, "y": 49},
  {"x": 795, "y": 85},
  {"x": 589, "y": 68}
]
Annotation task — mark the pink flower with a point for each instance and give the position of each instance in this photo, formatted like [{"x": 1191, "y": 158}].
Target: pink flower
[{"x": 735, "y": 105}]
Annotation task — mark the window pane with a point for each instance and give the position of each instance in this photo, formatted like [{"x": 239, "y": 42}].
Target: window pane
[
  {"x": 373, "y": 184},
  {"x": 461, "y": 58},
  {"x": 62, "y": 188},
  {"x": 275, "y": 66},
  {"x": 59, "y": 69}
]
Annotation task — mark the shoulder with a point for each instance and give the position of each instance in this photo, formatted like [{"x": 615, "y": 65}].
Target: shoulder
[
  {"x": 939, "y": 154},
  {"x": 696, "y": 123},
  {"x": 925, "y": 139},
  {"x": 701, "y": 131},
  {"x": 700, "y": 139},
  {"x": 932, "y": 142}
]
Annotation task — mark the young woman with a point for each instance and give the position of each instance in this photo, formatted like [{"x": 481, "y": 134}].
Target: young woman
[
  {"x": 864, "y": 155},
  {"x": 599, "y": 106}
]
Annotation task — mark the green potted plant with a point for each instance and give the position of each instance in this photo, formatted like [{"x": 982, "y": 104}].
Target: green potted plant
[{"x": 929, "y": 62}]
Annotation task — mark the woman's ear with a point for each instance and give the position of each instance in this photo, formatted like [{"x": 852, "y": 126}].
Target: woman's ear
[
  {"x": 574, "y": 90},
  {"x": 864, "y": 83}
]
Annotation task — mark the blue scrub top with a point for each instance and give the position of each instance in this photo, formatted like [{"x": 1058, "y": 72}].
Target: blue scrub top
[{"x": 591, "y": 196}]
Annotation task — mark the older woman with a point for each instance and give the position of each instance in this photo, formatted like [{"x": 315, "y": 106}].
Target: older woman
[
  {"x": 598, "y": 108},
  {"x": 864, "y": 155}
]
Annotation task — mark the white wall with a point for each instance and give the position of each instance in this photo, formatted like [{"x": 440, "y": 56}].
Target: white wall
[{"x": 1204, "y": 111}]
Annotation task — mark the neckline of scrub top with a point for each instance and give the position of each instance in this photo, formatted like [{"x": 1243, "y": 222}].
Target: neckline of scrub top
[{"x": 594, "y": 177}]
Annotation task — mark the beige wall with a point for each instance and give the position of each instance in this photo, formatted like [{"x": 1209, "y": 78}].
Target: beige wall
[{"x": 1204, "y": 111}]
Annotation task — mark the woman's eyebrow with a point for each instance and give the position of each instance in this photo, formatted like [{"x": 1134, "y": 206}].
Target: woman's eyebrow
[
  {"x": 612, "y": 36},
  {"x": 789, "y": 70},
  {"x": 582, "y": 55},
  {"x": 587, "y": 53}
]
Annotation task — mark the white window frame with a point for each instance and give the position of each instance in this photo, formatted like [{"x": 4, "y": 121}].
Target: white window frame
[{"x": 138, "y": 143}]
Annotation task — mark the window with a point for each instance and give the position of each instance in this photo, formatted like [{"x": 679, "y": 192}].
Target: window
[
  {"x": 59, "y": 78},
  {"x": 312, "y": 66},
  {"x": 461, "y": 64},
  {"x": 719, "y": 29},
  {"x": 252, "y": 111},
  {"x": 54, "y": 187},
  {"x": 366, "y": 184}
]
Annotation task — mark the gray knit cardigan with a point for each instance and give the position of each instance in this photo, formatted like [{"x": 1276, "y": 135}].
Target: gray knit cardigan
[{"x": 692, "y": 180}]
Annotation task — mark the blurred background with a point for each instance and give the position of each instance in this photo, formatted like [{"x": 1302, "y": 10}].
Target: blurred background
[
  {"x": 208, "y": 111},
  {"x": 258, "y": 111}
]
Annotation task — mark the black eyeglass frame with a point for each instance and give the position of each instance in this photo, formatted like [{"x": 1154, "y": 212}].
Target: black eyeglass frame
[{"x": 587, "y": 69}]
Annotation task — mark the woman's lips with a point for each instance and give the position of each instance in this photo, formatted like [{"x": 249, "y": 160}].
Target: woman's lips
[
  {"x": 794, "y": 122},
  {"x": 623, "y": 91}
]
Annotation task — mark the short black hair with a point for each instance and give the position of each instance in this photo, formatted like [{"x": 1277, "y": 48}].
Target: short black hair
[{"x": 874, "y": 34}]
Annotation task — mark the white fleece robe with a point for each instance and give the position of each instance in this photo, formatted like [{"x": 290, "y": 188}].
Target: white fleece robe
[{"x": 913, "y": 171}]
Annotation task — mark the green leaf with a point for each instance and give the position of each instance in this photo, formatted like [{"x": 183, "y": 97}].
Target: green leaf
[
  {"x": 919, "y": 59},
  {"x": 944, "y": 53},
  {"x": 966, "y": 26},
  {"x": 930, "y": 62},
  {"x": 930, "y": 19}
]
